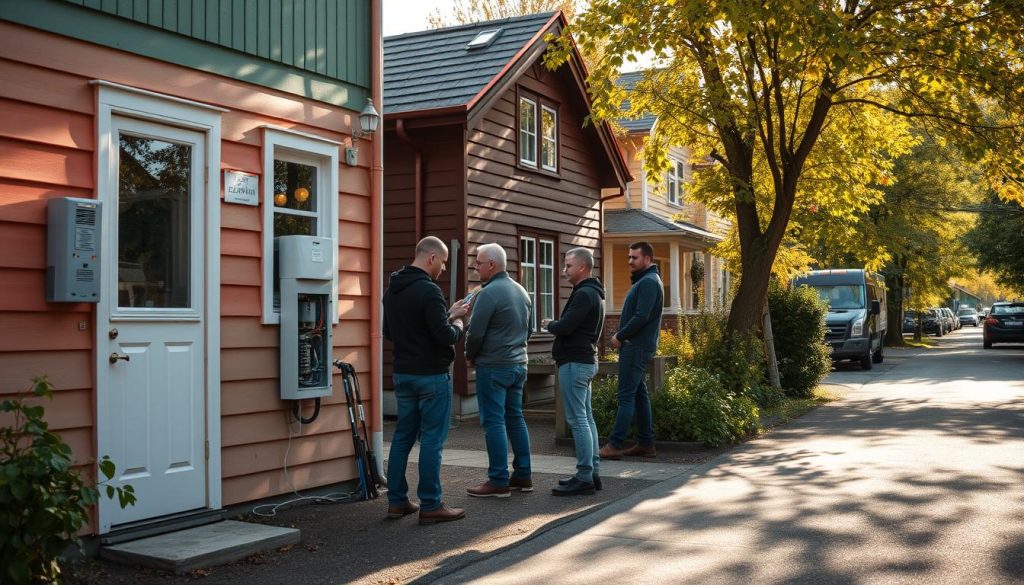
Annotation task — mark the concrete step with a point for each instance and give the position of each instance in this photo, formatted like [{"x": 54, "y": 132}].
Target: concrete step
[{"x": 201, "y": 546}]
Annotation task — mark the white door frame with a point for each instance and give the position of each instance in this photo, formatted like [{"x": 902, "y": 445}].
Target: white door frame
[{"x": 114, "y": 99}]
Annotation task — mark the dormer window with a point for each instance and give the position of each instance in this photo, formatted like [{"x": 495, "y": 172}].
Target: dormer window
[{"x": 483, "y": 39}]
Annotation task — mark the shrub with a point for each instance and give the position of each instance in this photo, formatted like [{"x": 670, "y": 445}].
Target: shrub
[
  {"x": 43, "y": 501},
  {"x": 696, "y": 406},
  {"x": 675, "y": 343},
  {"x": 605, "y": 401},
  {"x": 798, "y": 327}
]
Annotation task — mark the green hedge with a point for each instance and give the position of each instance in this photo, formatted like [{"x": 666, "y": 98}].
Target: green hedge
[{"x": 798, "y": 327}]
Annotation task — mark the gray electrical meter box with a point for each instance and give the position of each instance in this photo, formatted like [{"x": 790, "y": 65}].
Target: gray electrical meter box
[
  {"x": 73, "y": 251},
  {"x": 305, "y": 267}
]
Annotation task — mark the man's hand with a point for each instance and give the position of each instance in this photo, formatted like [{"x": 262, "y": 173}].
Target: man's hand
[
  {"x": 544, "y": 324},
  {"x": 616, "y": 344},
  {"x": 459, "y": 309}
]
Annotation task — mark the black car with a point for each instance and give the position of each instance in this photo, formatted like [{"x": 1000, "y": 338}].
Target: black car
[
  {"x": 932, "y": 322},
  {"x": 1005, "y": 323}
]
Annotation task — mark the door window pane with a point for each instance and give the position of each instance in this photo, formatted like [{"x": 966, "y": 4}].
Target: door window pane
[
  {"x": 153, "y": 214},
  {"x": 294, "y": 186}
]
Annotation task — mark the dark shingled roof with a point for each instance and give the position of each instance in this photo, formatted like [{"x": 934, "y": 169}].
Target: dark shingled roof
[
  {"x": 432, "y": 69},
  {"x": 637, "y": 221},
  {"x": 628, "y": 81}
]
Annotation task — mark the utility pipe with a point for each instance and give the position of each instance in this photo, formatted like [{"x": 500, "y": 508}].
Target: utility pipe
[{"x": 377, "y": 235}]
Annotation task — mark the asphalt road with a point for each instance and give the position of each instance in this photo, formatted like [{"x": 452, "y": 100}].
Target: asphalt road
[{"x": 914, "y": 477}]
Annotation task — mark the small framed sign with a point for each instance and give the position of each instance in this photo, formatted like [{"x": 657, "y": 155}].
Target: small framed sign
[{"x": 241, "y": 188}]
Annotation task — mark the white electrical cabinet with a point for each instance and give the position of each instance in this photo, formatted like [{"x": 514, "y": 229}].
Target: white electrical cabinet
[
  {"x": 305, "y": 266},
  {"x": 73, "y": 250}
]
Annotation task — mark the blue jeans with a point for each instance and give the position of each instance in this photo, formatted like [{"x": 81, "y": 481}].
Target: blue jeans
[
  {"x": 574, "y": 384},
  {"x": 633, "y": 397},
  {"x": 424, "y": 412},
  {"x": 499, "y": 392}
]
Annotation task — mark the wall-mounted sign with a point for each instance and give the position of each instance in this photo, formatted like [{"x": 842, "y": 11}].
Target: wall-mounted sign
[{"x": 241, "y": 188}]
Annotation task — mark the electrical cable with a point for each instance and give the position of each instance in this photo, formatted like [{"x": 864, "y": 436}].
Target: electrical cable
[
  {"x": 298, "y": 415},
  {"x": 331, "y": 498}
]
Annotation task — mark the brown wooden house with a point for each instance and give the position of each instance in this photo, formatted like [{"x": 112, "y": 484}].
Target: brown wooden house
[{"x": 484, "y": 144}]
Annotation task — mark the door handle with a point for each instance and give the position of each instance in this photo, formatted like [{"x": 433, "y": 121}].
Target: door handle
[{"x": 114, "y": 357}]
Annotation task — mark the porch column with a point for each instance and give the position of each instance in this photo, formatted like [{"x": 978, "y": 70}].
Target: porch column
[
  {"x": 709, "y": 288},
  {"x": 607, "y": 270},
  {"x": 677, "y": 277}
]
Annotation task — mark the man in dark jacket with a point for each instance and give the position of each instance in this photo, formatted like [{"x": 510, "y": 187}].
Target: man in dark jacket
[
  {"x": 637, "y": 342},
  {"x": 575, "y": 353},
  {"x": 423, "y": 331}
]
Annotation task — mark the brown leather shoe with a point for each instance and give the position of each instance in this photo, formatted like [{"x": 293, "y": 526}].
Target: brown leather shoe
[
  {"x": 442, "y": 514},
  {"x": 402, "y": 510},
  {"x": 610, "y": 452},
  {"x": 639, "y": 450},
  {"x": 522, "y": 484},
  {"x": 486, "y": 490}
]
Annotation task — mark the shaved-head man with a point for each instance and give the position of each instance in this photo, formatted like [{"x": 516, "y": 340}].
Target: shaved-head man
[{"x": 423, "y": 331}]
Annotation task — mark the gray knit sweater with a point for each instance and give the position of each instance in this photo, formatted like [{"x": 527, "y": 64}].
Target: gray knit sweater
[{"x": 499, "y": 326}]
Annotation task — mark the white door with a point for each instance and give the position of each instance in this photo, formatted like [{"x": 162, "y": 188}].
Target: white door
[{"x": 151, "y": 371}]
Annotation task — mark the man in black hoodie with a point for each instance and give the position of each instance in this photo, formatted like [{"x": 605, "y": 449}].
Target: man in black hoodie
[
  {"x": 575, "y": 352},
  {"x": 423, "y": 331}
]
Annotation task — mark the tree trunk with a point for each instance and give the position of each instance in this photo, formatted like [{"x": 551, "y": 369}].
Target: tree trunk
[
  {"x": 894, "y": 296},
  {"x": 748, "y": 305}
]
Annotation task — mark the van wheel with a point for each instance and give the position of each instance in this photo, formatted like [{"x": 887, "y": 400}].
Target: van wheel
[
  {"x": 878, "y": 356},
  {"x": 865, "y": 362}
]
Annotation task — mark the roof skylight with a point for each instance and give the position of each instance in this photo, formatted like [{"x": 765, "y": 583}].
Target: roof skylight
[{"x": 483, "y": 39}]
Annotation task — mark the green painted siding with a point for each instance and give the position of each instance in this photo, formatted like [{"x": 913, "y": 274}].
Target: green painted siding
[
  {"x": 319, "y": 49},
  {"x": 329, "y": 37}
]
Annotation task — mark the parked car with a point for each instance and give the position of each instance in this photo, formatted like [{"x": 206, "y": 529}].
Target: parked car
[
  {"x": 931, "y": 323},
  {"x": 948, "y": 319},
  {"x": 1005, "y": 323},
  {"x": 968, "y": 316}
]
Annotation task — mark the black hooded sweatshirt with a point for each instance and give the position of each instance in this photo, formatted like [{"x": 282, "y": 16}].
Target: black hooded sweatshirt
[
  {"x": 416, "y": 322},
  {"x": 577, "y": 332}
]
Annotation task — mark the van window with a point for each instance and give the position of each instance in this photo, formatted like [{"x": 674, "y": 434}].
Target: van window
[{"x": 842, "y": 296}]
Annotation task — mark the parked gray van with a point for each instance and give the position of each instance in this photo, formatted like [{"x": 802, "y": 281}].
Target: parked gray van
[{"x": 856, "y": 320}]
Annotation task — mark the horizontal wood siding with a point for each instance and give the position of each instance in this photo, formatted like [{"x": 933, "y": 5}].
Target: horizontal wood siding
[
  {"x": 443, "y": 205},
  {"x": 47, "y": 144},
  {"x": 504, "y": 200}
]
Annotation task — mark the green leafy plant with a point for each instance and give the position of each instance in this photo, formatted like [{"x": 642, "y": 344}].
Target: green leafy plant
[
  {"x": 605, "y": 401},
  {"x": 798, "y": 326},
  {"x": 696, "y": 406},
  {"x": 44, "y": 502}
]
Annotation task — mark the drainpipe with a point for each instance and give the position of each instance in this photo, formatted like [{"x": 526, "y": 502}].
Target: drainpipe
[
  {"x": 377, "y": 237},
  {"x": 417, "y": 176}
]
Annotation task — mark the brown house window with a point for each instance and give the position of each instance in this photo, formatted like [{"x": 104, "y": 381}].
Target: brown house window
[
  {"x": 676, "y": 177},
  {"x": 538, "y": 133},
  {"x": 537, "y": 275}
]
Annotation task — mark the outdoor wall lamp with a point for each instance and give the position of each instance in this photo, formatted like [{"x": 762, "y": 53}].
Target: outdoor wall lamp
[{"x": 368, "y": 120}]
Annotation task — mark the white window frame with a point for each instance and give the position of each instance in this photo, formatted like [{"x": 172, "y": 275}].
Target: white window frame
[
  {"x": 674, "y": 179},
  {"x": 300, "y": 147},
  {"x": 536, "y": 243},
  {"x": 530, "y": 133},
  {"x": 545, "y": 140},
  {"x": 553, "y": 281}
]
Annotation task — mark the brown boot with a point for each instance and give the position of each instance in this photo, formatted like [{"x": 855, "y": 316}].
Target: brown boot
[
  {"x": 442, "y": 514},
  {"x": 639, "y": 450},
  {"x": 400, "y": 510},
  {"x": 609, "y": 451},
  {"x": 487, "y": 490}
]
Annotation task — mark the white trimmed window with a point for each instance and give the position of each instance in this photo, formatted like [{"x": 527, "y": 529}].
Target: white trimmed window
[
  {"x": 527, "y": 132},
  {"x": 674, "y": 181},
  {"x": 300, "y": 197},
  {"x": 537, "y": 275},
  {"x": 549, "y": 139}
]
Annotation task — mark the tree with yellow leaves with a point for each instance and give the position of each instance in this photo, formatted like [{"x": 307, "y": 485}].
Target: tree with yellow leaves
[{"x": 805, "y": 105}]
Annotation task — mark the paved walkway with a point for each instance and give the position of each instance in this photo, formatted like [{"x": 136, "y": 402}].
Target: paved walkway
[
  {"x": 914, "y": 478},
  {"x": 627, "y": 469}
]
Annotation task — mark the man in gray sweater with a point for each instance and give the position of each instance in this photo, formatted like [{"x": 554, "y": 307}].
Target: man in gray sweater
[{"x": 499, "y": 328}]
